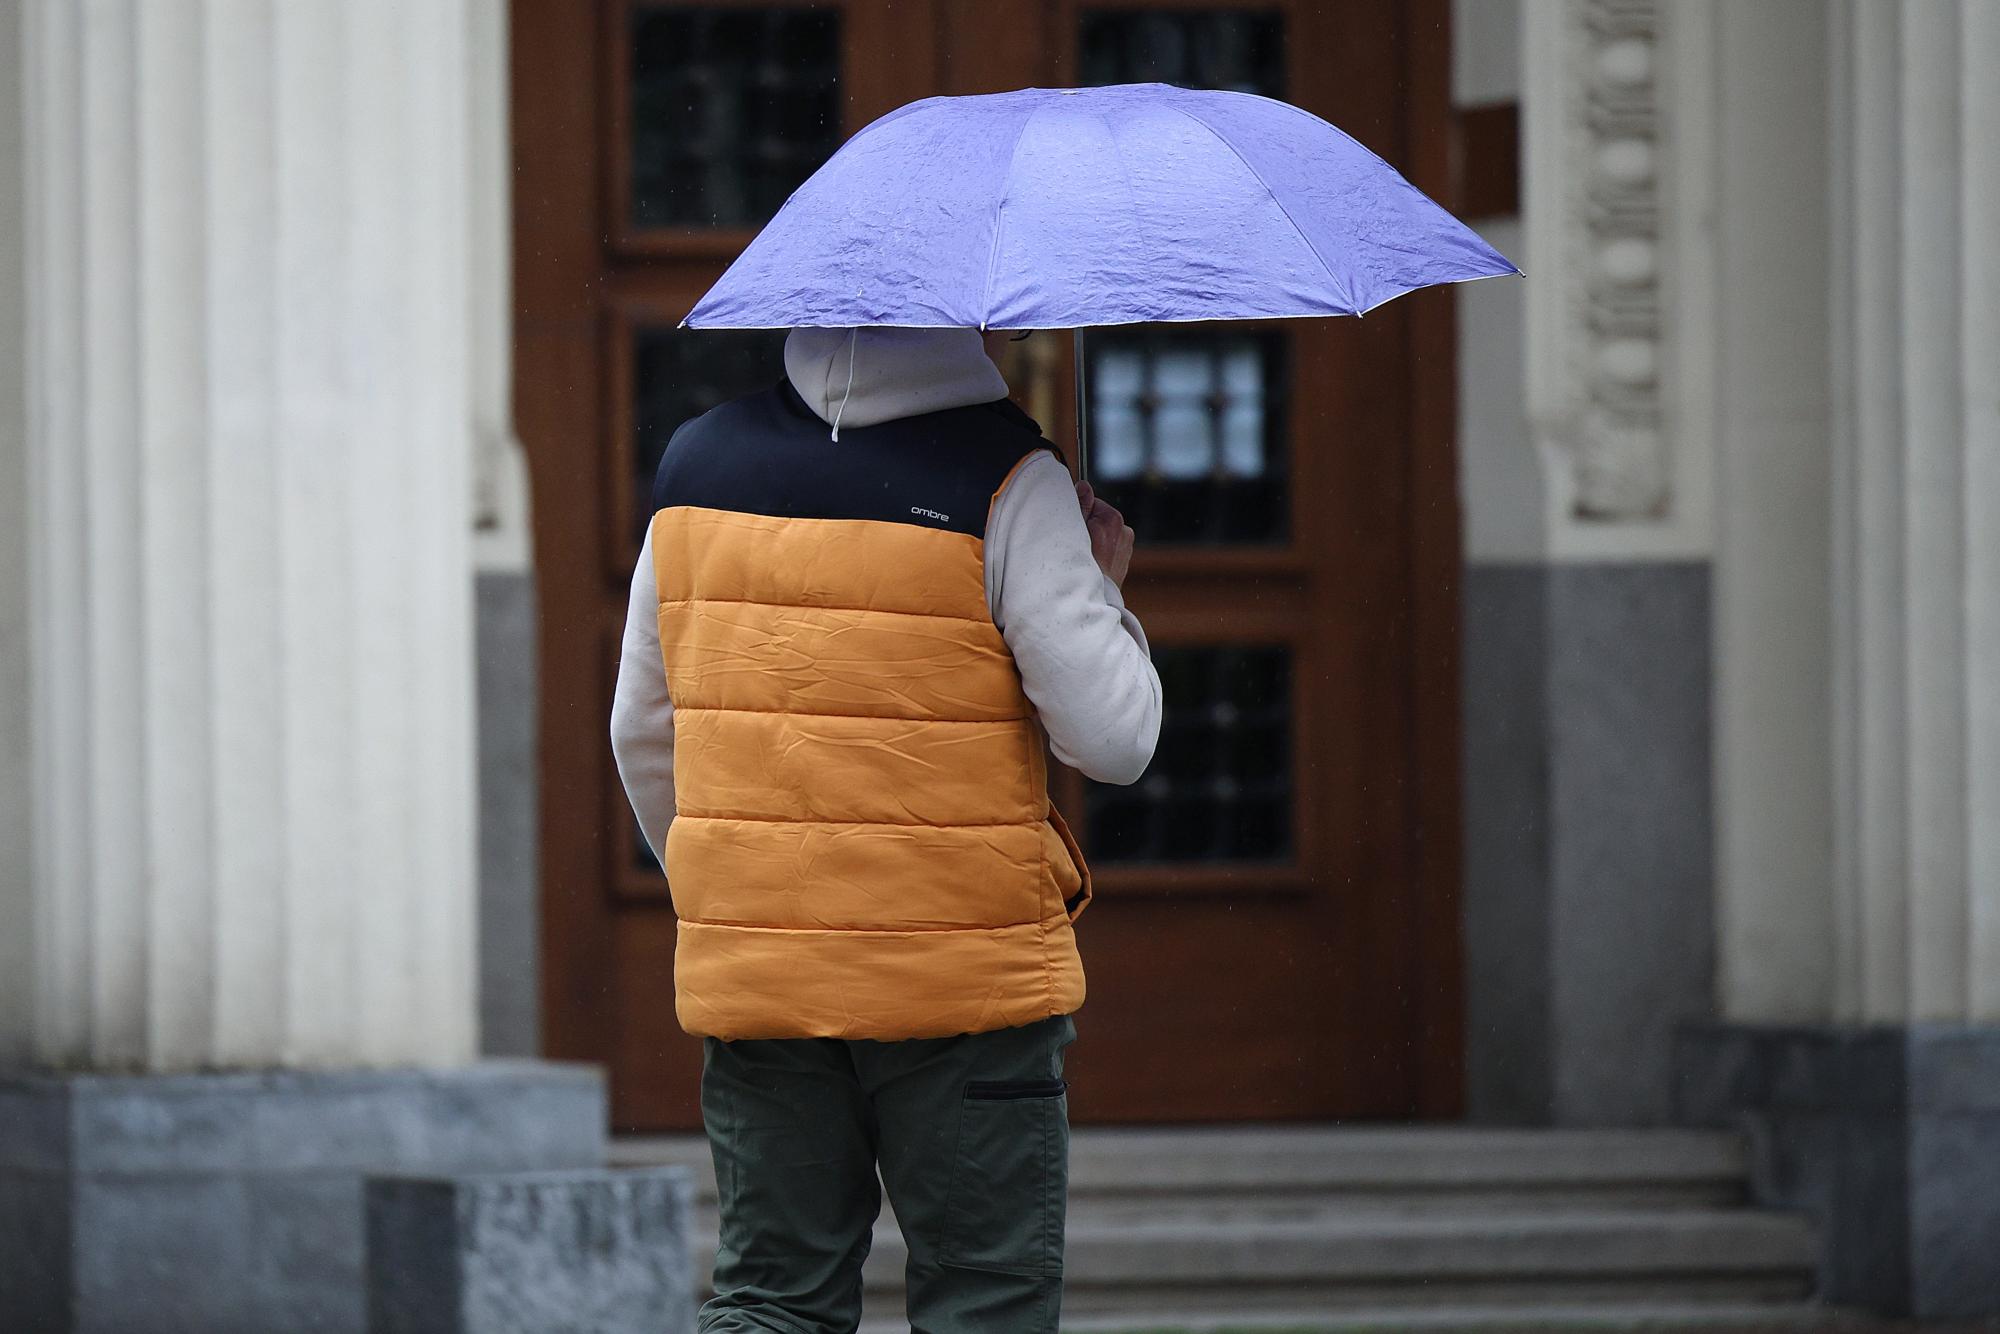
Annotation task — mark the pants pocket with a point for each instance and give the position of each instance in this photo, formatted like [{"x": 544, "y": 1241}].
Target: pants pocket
[{"x": 1009, "y": 1179}]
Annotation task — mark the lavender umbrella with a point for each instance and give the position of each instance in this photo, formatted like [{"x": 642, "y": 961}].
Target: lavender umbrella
[{"x": 1061, "y": 208}]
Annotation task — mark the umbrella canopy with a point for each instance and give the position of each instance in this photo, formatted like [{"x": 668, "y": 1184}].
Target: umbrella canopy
[{"x": 1058, "y": 208}]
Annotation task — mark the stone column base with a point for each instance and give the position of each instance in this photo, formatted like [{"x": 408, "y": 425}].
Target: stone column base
[
  {"x": 532, "y": 1252},
  {"x": 1888, "y": 1136},
  {"x": 215, "y": 1203}
]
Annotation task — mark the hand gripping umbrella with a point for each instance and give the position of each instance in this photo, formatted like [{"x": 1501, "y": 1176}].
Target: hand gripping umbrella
[{"x": 1064, "y": 208}]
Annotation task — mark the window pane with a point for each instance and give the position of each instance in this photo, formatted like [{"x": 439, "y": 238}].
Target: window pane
[
  {"x": 678, "y": 374},
  {"x": 1186, "y": 432},
  {"x": 1240, "y": 50},
  {"x": 1220, "y": 785},
  {"x": 731, "y": 110}
]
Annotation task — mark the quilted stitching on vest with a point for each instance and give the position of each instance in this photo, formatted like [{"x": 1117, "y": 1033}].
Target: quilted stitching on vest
[{"x": 863, "y": 844}]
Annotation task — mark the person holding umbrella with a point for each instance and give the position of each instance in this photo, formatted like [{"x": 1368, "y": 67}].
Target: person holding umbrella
[
  {"x": 869, "y": 595},
  {"x": 865, "y": 598}
]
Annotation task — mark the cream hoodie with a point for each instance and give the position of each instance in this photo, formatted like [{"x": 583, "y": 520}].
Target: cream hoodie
[{"x": 1082, "y": 655}]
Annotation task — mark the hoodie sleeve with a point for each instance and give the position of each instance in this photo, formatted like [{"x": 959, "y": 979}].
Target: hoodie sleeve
[
  {"x": 642, "y": 715},
  {"x": 1083, "y": 657}
]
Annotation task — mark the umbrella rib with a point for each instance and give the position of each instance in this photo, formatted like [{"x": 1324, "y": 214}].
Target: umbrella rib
[
  {"x": 1137, "y": 214},
  {"x": 1000, "y": 218},
  {"x": 1223, "y": 139}
]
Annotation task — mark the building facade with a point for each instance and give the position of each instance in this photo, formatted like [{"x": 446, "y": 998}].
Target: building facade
[{"x": 1581, "y": 690}]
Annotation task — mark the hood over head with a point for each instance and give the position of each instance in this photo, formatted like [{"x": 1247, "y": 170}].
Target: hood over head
[{"x": 859, "y": 377}]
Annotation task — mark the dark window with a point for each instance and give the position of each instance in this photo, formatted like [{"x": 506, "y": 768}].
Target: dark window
[
  {"x": 680, "y": 373},
  {"x": 642, "y": 851},
  {"x": 1220, "y": 785},
  {"x": 1240, "y": 50},
  {"x": 1187, "y": 432},
  {"x": 731, "y": 110}
]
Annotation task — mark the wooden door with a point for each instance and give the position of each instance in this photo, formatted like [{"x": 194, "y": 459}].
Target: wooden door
[{"x": 1275, "y": 930}]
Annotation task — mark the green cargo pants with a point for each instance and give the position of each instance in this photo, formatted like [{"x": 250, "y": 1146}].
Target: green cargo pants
[{"x": 972, "y": 1137}]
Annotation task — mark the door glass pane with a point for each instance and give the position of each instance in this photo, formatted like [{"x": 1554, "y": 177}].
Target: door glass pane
[
  {"x": 1241, "y": 50},
  {"x": 1220, "y": 785},
  {"x": 680, "y": 373},
  {"x": 1187, "y": 432},
  {"x": 1187, "y": 423},
  {"x": 732, "y": 108}
]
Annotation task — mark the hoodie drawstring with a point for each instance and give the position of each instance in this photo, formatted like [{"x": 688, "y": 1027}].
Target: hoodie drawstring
[{"x": 853, "y": 345}]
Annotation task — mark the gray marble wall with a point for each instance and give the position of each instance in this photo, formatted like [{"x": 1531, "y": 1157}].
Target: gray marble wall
[
  {"x": 232, "y": 1203},
  {"x": 1588, "y": 889},
  {"x": 1887, "y": 1136},
  {"x": 508, "y": 960},
  {"x": 604, "y": 1250},
  {"x": 1509, "y": 1070}
]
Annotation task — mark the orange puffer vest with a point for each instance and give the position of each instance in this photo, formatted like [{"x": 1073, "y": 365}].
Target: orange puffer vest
[{"x": 863, "y": 844}]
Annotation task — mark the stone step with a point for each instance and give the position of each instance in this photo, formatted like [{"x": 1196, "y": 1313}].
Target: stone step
[
  {"x": 1217, "y": 1215},
  {"x": 1386, "y": 1258},
  {"x": 1225, "y": 1223},
  {"x": 1600, "y": 1318},
  {"x": 1453, "y": 1167}
]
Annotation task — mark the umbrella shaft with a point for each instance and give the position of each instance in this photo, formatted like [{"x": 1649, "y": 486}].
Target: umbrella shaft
[{"x": 1082, "y": 458}]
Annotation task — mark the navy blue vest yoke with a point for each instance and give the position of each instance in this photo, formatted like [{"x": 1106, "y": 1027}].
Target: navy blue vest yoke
[{"x": 768, "y": 453}]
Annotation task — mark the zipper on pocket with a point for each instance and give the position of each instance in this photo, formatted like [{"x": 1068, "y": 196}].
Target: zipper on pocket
[{"x": 1007, "y": 1090}]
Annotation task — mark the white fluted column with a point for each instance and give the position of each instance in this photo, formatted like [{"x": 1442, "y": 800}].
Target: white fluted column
[
  {"x": 245, "y": 452},
  {"x": 1916, "y": 524}
]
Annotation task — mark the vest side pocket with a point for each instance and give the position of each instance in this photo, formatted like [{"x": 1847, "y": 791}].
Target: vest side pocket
[{"x": 1080, "y": 899}]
